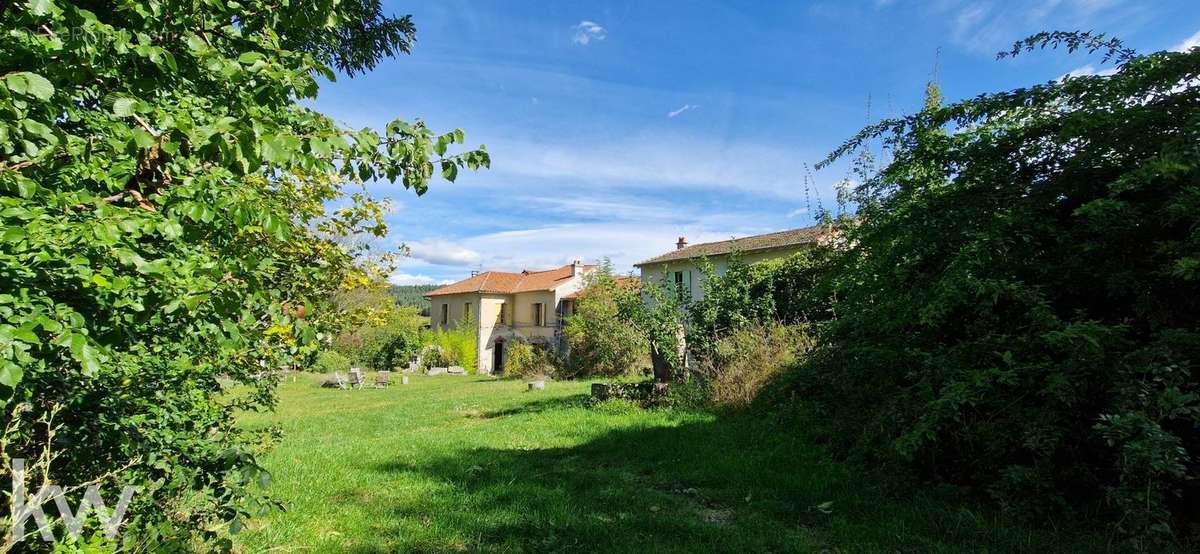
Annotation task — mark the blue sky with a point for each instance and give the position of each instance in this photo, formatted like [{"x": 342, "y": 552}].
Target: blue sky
[{"x": 615, "y": 127}]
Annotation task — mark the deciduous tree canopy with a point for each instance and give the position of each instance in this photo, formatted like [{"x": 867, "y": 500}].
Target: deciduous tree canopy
[{"x": 162, "y": 193}]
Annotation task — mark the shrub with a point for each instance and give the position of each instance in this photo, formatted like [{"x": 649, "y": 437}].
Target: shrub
[
  {"x": 1018, "y": 305},
  {"x": 330, "y": 361},
  {"x": 456, "y": 346},
  {"x": 528, "y": 360},
  {"x": 599, "y": 340},
  {"x": 740, "y": 364}
]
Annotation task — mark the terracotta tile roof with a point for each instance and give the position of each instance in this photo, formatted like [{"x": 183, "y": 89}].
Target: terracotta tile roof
[
  {"x": 500, "y": 282},
  {"x": 781, "y": 239}
]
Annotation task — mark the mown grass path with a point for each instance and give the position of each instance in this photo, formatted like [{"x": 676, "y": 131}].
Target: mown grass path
[{"x": 465, "y": 464}]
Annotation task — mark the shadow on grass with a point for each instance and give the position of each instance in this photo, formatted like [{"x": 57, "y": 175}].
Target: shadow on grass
[
  {"x": 725, "y": 485},
  {"x": 539, "y": 406}
]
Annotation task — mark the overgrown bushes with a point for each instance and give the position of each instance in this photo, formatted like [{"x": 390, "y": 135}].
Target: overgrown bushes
[
  {"x": 528, "y": 360},
  {"x": 744, "y": 361},
  {"x": 331, "y": 361},
  {"x": 600, "y": 340},
  {"x": 1018, "y": 303},
  {"x": 455, "y": 346}
]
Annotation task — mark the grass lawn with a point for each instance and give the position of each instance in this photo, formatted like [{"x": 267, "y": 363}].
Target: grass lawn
[{"x": 449, "y": 464}]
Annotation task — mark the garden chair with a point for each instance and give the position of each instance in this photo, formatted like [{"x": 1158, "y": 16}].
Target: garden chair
[
  {"x": 383, "y": 379},
  {"x": 356, "y": 378},
  {"x": 337, "y": 381}
]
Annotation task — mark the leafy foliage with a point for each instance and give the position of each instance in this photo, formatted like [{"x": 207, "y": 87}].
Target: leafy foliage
[
  {"x": 331, "y": 361},
  {"x": 599, "y": 340},
  {"x": 527, "y": 360},
  {"x": 1018, "y": 303},
  {"x": 657, "y": 315},
  {"x": 163, "y": 228},
  {"x": 456, "y": 346},
  {"x": 744, "y": 361}
]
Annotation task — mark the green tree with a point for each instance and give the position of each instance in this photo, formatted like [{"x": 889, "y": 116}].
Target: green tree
[
  {"x": 1018, "y": 301},
  {"x": 600, "y": 341},
  {"x": 163, "y": 232},
  {"x": 656, "y": 313}
]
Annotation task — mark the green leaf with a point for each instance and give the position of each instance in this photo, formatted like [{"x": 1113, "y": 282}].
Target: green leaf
[
  {"x": 10, "y": 374},
  {"x": 26, "y": 188},
  {"x": 170, "y": 229},
  {"x": 449, "y": 171},
  {"x": 41, "y": 7},
  {"x": 123, "y": 107},
  {"x": 278, "y": 149},
  {"x": 29, "y": 84}
]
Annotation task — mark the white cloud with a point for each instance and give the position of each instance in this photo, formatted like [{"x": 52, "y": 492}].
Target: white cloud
[
  {"x": 661, "y": 159},
  {"x": 401, "y": 278},
  {"x": 625, "y": 243},
  {"x": 797, "y": 212},
  {"x": 988, "y": 26},
  {"x": 1088, "y": 69},
  {"x": 442, "y": 252},
  {"x": 681, "y": 109},
  {"x": 1188, "y": 43},
  {"x": 587, "y": 31}
]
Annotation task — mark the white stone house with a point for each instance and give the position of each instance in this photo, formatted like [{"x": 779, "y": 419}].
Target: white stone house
[
  {"x": 681, "y": 266},
  {"x": 527, "y": 306}
]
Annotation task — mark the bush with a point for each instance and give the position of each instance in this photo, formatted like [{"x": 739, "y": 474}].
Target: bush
[
  {"x": 435, "y": 356},
  {"x": 528, "y": 361},
  {"x": 383, "y": 343},
  {"x": 741, "y": 364},
  {"x": 599, "y": 340},
  {"x": 330, "y": 361},
  {"x": 1018, "y": 304},
  {"x": 457, "y": 346}
]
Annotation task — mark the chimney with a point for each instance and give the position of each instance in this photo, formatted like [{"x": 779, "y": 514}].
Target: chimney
[
  {"x": 681, "y": 244},
  {"x": 576, "y": 268}
]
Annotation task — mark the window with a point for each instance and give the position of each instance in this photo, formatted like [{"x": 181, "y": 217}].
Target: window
[
  {"x": 467, "y": 310},
  {"x": 539, "y": 314},
  {"x": 502, "y": 318},
  {"x": 683, "y": 285},
  {"x": 445, "y": 314}
]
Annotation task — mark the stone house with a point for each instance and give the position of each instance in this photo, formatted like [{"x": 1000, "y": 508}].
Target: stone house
[
  {"x": 681, "y": 266},
  {"x": 528, "y": 306}
]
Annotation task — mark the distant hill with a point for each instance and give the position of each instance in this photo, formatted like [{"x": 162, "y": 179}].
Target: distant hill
[{"x": 413, "y": 295}]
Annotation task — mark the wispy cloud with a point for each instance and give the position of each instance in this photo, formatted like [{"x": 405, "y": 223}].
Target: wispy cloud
[
  {"x": 662, "y": 159},
  {"x": 987, "y": 26},
  {"x": 1188, "y": 43},
  {"x": 587, "y": 31},
  {"x": 682, "y": 109},
  {"x": 624, "y": 243},
  {"x": 1089, "y": 69},
  {"x": 442, "y": 252},
  {"x": 401, "y": 278}
]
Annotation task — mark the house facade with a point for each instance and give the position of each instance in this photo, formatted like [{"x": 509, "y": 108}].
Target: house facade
[
  {"x": 528, "y": 306},
  {"x": 681, "y": 266}
]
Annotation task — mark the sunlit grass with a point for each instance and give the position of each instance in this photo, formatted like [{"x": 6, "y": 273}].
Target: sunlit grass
[{"x": 472, "y": 464}]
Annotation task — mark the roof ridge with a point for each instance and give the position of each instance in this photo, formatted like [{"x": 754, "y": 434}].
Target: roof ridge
[{"x": 764, "y": 241}]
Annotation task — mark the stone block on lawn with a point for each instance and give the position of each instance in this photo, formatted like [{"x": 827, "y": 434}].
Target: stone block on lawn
[
  {"x": 456, "y": 370},
  {"x": 435, "y": 371}
]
